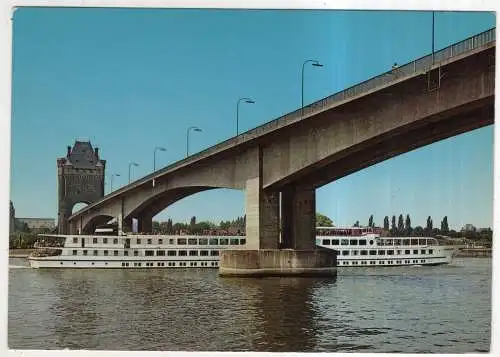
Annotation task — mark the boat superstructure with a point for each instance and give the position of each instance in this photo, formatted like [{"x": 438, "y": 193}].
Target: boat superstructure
[
  {"x": 365, "y": 247},
  {"x": 108, "y": 249}
]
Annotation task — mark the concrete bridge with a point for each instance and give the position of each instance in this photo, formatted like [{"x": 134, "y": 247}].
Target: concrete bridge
[{"x": 430, "y": 99}]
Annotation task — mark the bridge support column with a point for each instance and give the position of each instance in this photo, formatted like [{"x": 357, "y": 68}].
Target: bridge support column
[
  {"x": 299, "y": 218},
  {"x": 145, "y": 223},
  {"x": 262, "y": 256}
]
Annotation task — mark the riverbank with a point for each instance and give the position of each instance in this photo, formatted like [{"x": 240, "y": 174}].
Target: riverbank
[
  {"x": 474, "y": 253},
  {"x": 20, "y": 253}
]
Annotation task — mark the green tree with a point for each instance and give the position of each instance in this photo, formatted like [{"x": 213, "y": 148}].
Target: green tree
[
  {"x": 386, "y": 223},
  {"x": 393, "y": 225},
  {"x": 428, "y": 228},
  {"x": 401, "y": 226},
  {"x": 356, "y": 224},
  {"x": 192, "y": 223},
  {"x": 323, "y": 221},
  {"x": 408, "y": 229},
  {"x": 370, "y": 221},
  {"x": 444, "y": 225},
  {"x": 418, "y": 231}
]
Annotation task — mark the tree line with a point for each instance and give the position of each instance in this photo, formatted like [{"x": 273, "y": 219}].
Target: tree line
[
  {"x": 194, "y": 227},
  {"x": 402, "y": 227}
]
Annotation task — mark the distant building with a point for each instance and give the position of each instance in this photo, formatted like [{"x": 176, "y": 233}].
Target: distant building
[
  {"x": 37, "y": 223},
  {"x": 468, "y": 228}
]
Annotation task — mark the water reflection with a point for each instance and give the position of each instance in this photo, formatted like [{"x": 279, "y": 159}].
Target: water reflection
[{"x": 284, "y": 312}]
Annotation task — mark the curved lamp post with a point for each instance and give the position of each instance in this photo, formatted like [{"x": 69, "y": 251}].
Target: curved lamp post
[
  {"x": 158, "y": 148},
  {"x": 315, "y": 64},
  {"x": 245, "y": 100},
  {"x": 194, "y": 128},
  {"x": 129, "y": 166},
  {"x": 112, "y": 176}
]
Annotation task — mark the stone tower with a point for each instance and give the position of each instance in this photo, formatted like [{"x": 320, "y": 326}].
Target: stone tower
[{"x": 80, "y": 178}]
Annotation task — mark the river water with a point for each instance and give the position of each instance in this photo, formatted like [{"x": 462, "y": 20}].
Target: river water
[{"x": 443, "y": 309}]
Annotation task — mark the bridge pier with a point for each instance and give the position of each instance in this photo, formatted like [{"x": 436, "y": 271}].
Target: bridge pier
[
  {"x": 145, "y": 223},
  {"x": 263, "y": 256}
]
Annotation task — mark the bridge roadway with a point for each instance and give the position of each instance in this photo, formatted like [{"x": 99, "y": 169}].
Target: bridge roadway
[{"x": 409, "y": 107}]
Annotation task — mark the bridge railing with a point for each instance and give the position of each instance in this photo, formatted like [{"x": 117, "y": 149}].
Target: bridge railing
[{"x": 408, "y": 69}]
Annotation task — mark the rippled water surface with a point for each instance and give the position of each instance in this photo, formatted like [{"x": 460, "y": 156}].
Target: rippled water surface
[{"x": 444, "y": 309}]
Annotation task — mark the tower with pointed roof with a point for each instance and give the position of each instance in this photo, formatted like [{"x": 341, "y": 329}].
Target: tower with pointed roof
[{"x": 80, "y": 180}]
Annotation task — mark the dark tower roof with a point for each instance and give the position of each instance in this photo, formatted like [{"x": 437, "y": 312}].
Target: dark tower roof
[{"x": 83, "y": 156}]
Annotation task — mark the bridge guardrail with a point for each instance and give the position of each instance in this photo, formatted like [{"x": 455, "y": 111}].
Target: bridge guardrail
[{"x": 415, "y": 66}]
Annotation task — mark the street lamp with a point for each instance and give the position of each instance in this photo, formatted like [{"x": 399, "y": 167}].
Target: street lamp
[
  {"x": 195, "y": 128},
  {"x": 129, "y": 166},
  {"x": 315, "y": 64},
  {"x": 112, "y": 176},
  {"x": 246, "y": 100},
  {"x": 154, "y": 161}
]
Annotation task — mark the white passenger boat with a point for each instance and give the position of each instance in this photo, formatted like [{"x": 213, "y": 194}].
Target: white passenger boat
[
  {"x": 106, "y": 249},
  {"x": 365, "y": 247}
]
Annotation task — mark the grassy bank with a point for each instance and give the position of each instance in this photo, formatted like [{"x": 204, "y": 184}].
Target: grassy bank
[{"x": 474, "y": 253}]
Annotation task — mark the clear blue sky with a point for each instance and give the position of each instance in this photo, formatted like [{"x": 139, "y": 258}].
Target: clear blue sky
[{"x": 130, "y": 80}]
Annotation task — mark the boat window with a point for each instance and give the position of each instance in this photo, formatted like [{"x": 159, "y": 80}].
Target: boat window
[
  {"x": 406, "y": 242},
  {"x": 105, "y": 240},
  {"x": 326, "y": 241},
  {"x": 243, "y": 241},
  {"x": 407, "y": 251},
  {"x": 193, "y": 241},
  {"x": 149, "y": 253},
  {"x": 75, "y": 240},
  {"x": 85, "y": 252},
  {"x": 125, "y": 253},
  {"x": 171, "y": 241},
  {"x": 96, "y": 252},
  {"x": 203, "y": 241},
  {"x": 94, "y": 240},
  {"x": 193, "y": 253},
  {"x": 414, "y": 242},
  {"x": 345, "y": 252},
  {"x": 138, "y": 240},
  {"x": 181, "y": 241},
  {"x": 353, "y": 242},
  {"x": 115, "y": 241},
  {"x": 150, "y": 241},
  {"x": 422, "y": 251},
  {"x": 171, "y": 253},
  {"x": 75, "y": 252},
  {"x": 160, "y": 253},
  {"x": 397, "y": 241},
  {"x": 390, "y": 252},
  {"x": 354, "y": 252},
  {"x": 105, "y": 252},
  {"x": 335, "y": 242},
  {"x": 381, "y": 252},
  {"x": 398, "y": 252},
  {"x": 214, "y": 241},
  {"x": 234, "y": 241},
  {"x": 389, "y": 242},
  {"x": 362, "y": 242},
  {"x": 337, "y": 252},
  {"x": 214, "y": 253},
  {"x": 415, "y": 251},
  {"x": 430, "y": 251},
  {"x": 160, "y": 241},
  {"x": 204, "y": 253},
  {"x": 115, "y": 253},
  {"x": 182, "y": 253},
  {"x": 371, "y": 242},
  {"x": 136, "y": 253},
  {"x": 379, "y": 242},
  {"x": 421, "y": 241},
  {"x": 373, "y": 252},
  {"x": 344, "y": 242},
  {"x": 224, "y": 241},
  {"x": 364, "y": 252}
]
